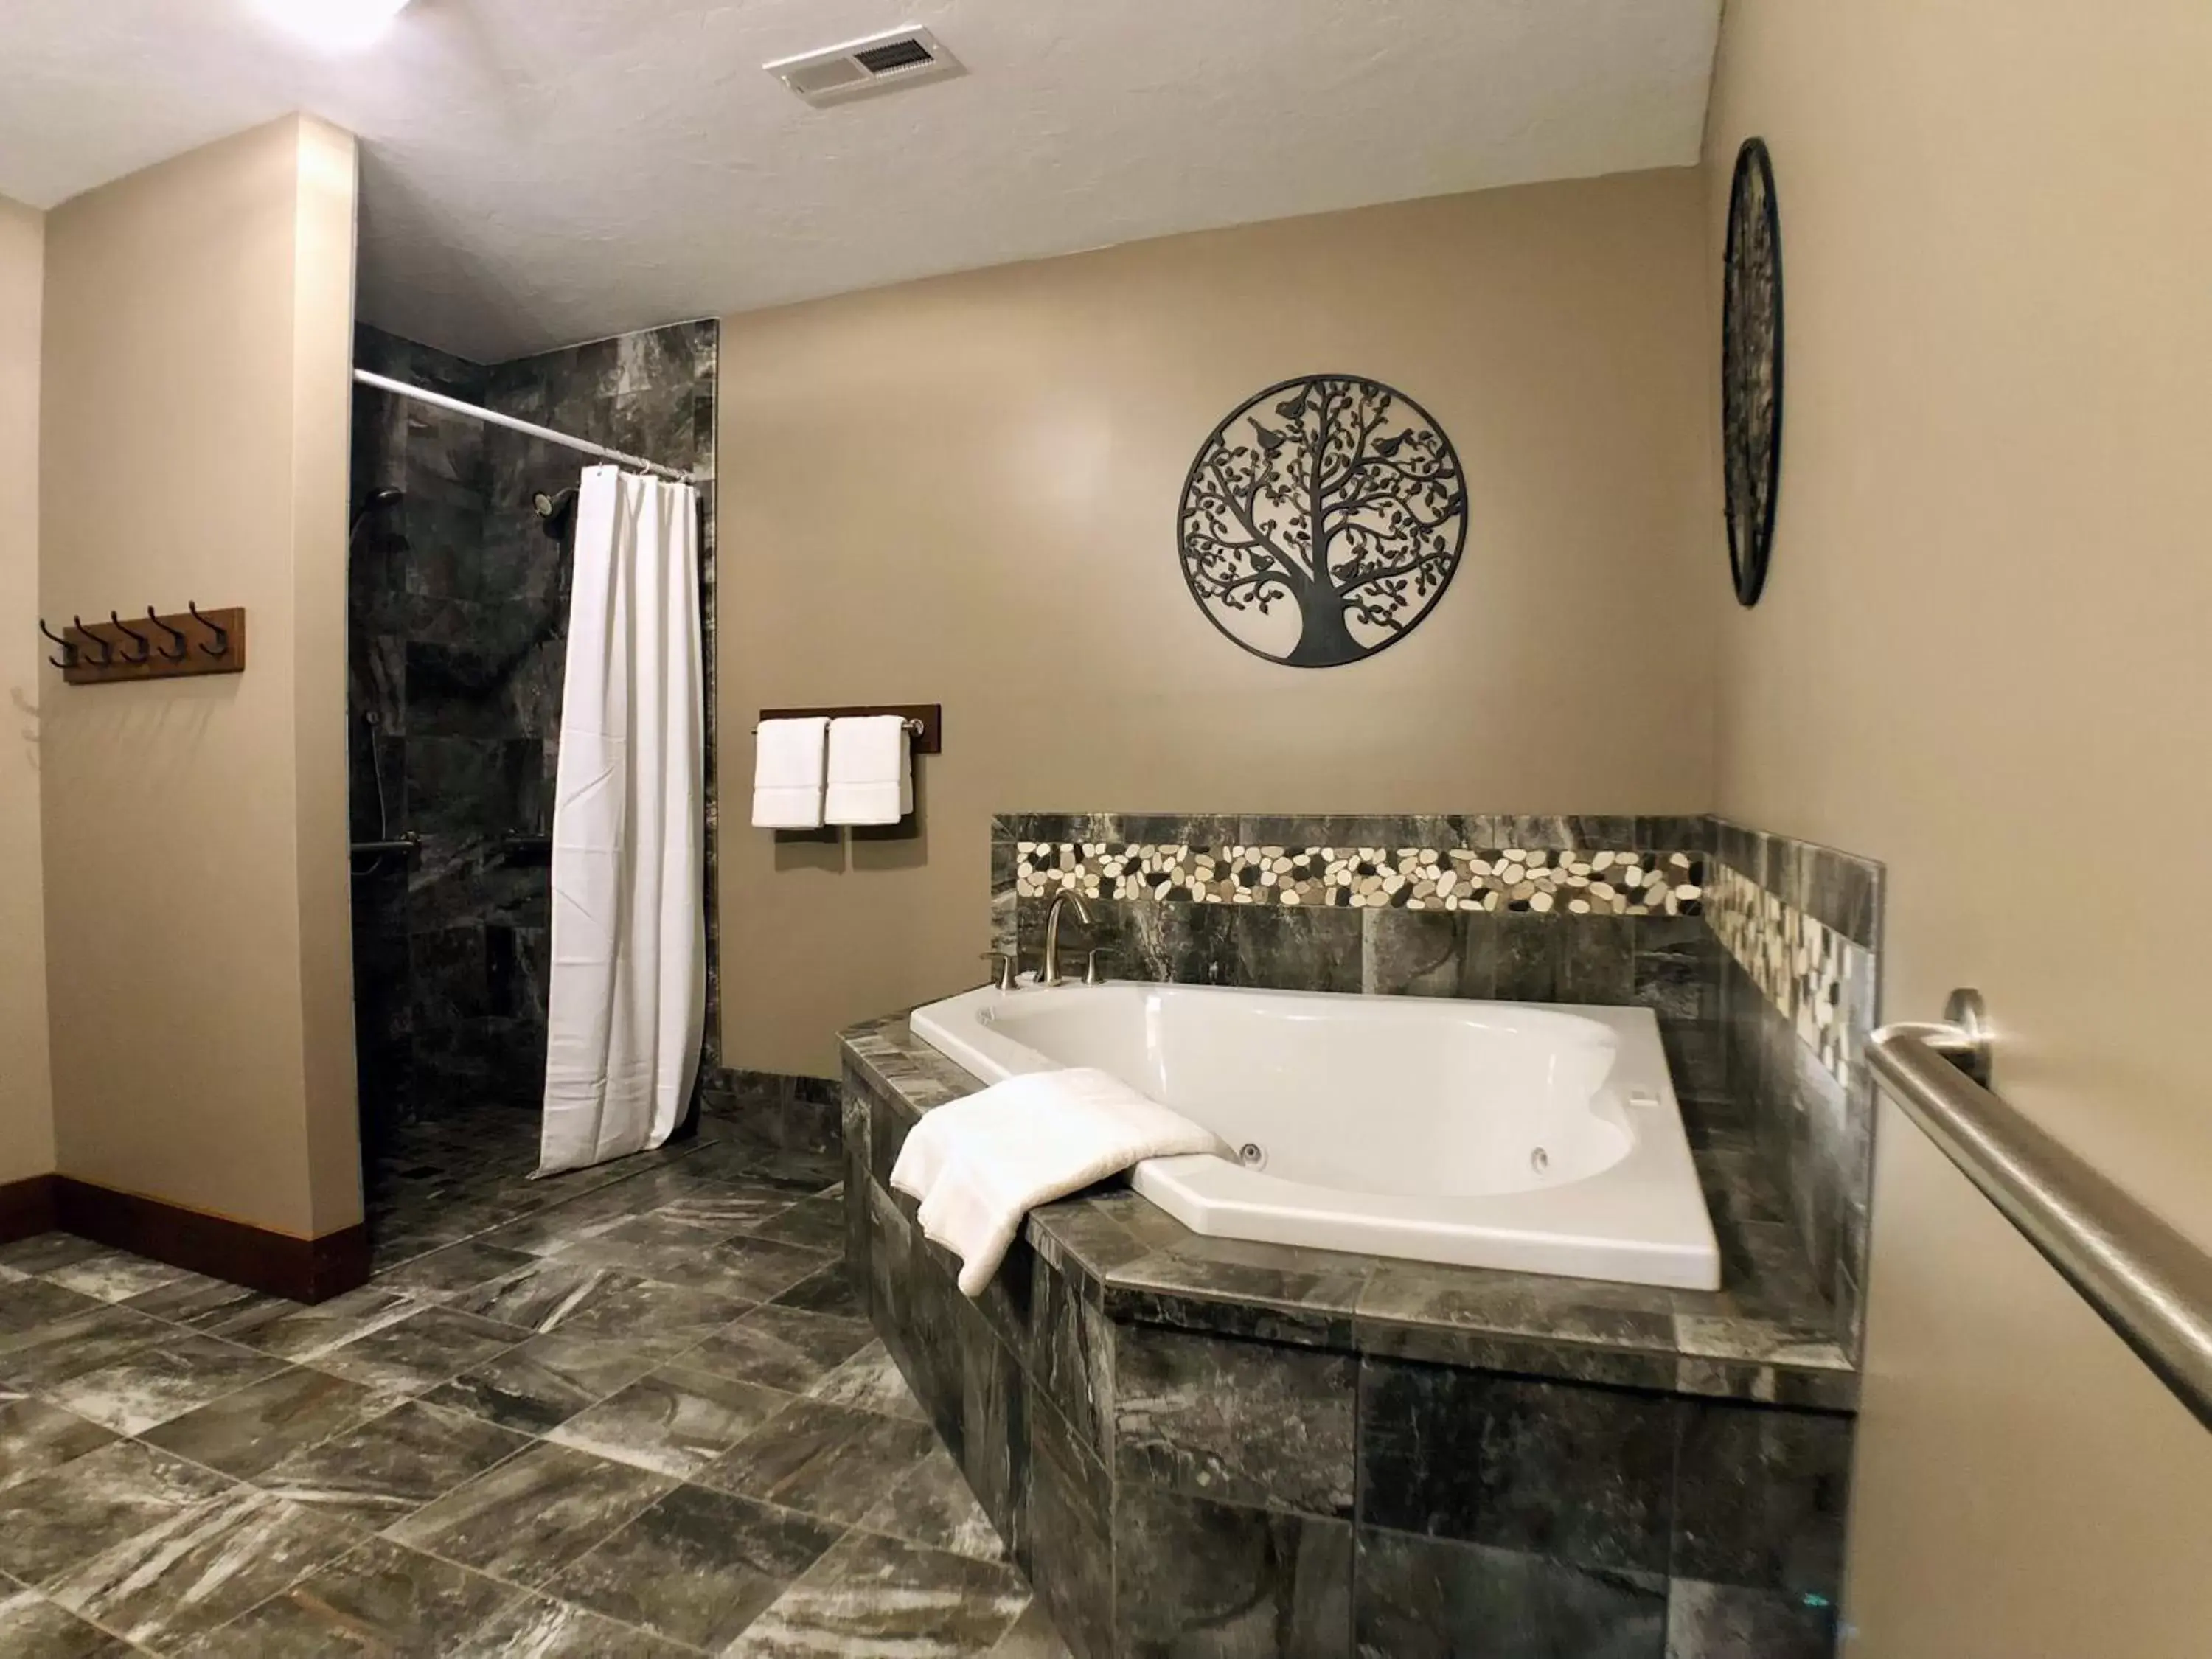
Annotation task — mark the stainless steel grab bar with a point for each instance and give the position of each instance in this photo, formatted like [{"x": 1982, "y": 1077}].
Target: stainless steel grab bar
[{"x": 2148, "y": 1281}]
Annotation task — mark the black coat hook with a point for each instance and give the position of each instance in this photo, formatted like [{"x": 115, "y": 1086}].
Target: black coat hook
[
  {"x": 145, "y": 645},
  {"x": 68, "y": 657},
  {"x": 177, "y": 655},
  {"x": 106, "y": 651},
  {"x": 221, "y": 646}
]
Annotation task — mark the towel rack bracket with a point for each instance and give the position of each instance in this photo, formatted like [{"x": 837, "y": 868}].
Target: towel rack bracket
[{"x": 926, "y": 718}]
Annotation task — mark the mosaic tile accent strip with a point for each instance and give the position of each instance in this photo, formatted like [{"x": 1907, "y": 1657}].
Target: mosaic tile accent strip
[
  {"x": 1821, "y": 982},
  {"x": 1538, "y": 880}
]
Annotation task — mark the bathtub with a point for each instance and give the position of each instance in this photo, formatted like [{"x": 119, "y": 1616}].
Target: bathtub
[{"x": 1487, "y": 1134}]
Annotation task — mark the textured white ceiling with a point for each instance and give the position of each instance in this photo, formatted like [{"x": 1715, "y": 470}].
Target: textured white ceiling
[{"x": 537, "y": 172}]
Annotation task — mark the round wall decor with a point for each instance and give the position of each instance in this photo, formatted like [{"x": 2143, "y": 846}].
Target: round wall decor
[
  {"x": 1322, "y": 519},
  {"x": 1751, "y": 367}
]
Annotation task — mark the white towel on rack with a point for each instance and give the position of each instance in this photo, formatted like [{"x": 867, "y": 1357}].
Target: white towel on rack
[
  {"x": 979, "y": 1166},
  {"x": 787, "y": 773},
  {"x": 871, "y": 770}
]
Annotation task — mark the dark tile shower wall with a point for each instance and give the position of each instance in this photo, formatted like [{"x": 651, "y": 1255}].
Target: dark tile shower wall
[{"x": 459, "y": 613}]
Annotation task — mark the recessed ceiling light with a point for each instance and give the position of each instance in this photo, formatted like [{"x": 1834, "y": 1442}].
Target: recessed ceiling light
[{"x": 335, "y": 22}]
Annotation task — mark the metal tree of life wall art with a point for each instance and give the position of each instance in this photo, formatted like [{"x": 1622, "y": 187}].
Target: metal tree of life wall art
[{"x": 1322, "y": 519}]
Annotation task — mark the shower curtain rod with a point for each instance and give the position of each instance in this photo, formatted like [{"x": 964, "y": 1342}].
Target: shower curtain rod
[{"x": 384, "y": 383}]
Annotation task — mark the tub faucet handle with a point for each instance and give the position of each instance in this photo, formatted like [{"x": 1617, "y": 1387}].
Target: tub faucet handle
[
  {"x": 1002, "y": 968},
  {"x": 1090, "y": 973}
]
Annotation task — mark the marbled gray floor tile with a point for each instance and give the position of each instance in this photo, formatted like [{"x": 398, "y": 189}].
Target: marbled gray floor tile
[
  {"x": 204, "y": 1304},
  {"x": 292, "y": 1332},
  {"x": 932, "y": 1505},
  {"x": 544, "y": 1382},
  {"x": 539, "y": 1627},
  {"x": 547, "y": 1232},
  {"x": 532, "y": 1515},
  {"x": 1032, "y": 1637},
  {"x": 829, "y": 1460},
  {"x": 871, "y": 1596},
  {"x": 416, "y": 1354},
  {"x": 116, "y": 1275},
  {"x": 42, "y": 1253},
  {"x": 36, "y": 1436},
  {"x": 870, "y": 1382},
  {"x": 31, "y": 1304},
  {"x": 250, "y": 1432},
  {"x": 801, "y": 1172},
  {"x": 32, "y": 1627},
  {"x": 782, "y": 1347},
  {"x": 163, "y": 1380},
  {"x": 392, "y": 1465},
  {"x": 720, "y": 1209},
  {"x": 741, "y": 1269},
  {"x": 673, "y": 1420},
  {"x": 577, "y": 1300},
  {"x": 445, "y": 1273},
  {"x": 812, "y": 1224},
  {"x": 698, "y": 1567},
  {"x": 52, "y": 1523},
  {"x": 380, "y": 1599},
  {"x": 44, "y": 1356},
  {"x": 195, "y": 1569},
  {"x": 832, "y": 1291}
]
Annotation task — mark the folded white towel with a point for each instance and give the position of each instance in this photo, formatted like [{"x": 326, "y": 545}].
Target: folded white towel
[
  {"x": 980, "y": 1165},
  {"x": 871, "y": 770},
  {"x": 787, "y": 773}
]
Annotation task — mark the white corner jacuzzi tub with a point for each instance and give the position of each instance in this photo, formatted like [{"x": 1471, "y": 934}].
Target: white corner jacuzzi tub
[{"x": 1523, "y": 1136}]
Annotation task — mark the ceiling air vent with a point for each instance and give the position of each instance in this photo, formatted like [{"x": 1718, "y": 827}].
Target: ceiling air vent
[{"x": 878, "y": 63}]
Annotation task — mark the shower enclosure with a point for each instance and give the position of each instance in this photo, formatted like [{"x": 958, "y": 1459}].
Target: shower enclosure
[{"x": 458, "y": 597}]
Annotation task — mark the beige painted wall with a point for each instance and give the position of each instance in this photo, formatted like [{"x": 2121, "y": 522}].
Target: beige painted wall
[
  {"x": 195, "y": 397},
  {"x": 964, "y": 491},
  {"x": 26, "y": 1118},
  {"x": 1982, "y": 658}
]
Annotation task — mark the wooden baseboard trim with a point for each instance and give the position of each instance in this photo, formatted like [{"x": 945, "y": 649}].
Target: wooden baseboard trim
[
  {"x": 26, "y": 1208},
  {"x": 299, "y": 1269}
]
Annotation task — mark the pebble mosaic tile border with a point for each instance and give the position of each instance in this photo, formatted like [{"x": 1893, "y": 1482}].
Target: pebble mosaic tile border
[
  {"x": 1818, "y": 981},
  {"x": 1538, "y": 880}
]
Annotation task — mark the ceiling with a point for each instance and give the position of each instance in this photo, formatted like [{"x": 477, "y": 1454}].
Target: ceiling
[{"x": 539, "y": 172}]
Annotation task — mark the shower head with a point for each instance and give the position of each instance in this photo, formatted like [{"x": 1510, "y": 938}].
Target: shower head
[
  {"x": 553, "y": 510},
  {"x": 375, "y": 501}
]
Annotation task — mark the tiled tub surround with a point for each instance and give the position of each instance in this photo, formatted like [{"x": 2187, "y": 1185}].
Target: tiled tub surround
[
  {"x": 1207, "y": 1446},
  {"x": 1798, "y": 970},
  {"x": 458, "y": 603},
  {"x": 1766, "y": 1065}
]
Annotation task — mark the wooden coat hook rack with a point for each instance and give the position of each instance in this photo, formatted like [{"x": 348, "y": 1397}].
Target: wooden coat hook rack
[{"x": 159, "y": 648}]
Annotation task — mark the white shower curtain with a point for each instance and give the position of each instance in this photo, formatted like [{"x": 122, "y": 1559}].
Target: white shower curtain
[{"x": 628, "y": 1000}]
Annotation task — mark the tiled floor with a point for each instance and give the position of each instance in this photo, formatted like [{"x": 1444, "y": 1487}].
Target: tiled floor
[{"x": 631, "y": 1411}]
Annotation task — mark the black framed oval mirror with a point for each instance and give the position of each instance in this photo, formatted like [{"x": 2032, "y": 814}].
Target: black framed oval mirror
[{"x": 1751, "y": 367}]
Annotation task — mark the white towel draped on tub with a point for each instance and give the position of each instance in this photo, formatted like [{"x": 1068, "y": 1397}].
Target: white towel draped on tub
[
  {"x": 979, "y": 1166},
  {"x": 787, "y": 773},
  {"x": 871, "y": 770},
  {"x": 628, "y": 999}
]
